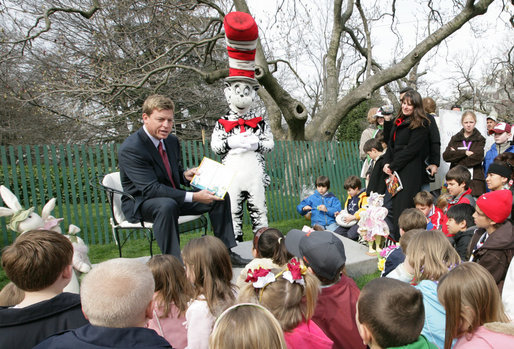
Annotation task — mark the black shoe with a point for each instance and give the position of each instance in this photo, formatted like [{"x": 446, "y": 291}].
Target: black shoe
[
  {"x": 239, "y": 238},
  {"x": 237, "y": 260}
]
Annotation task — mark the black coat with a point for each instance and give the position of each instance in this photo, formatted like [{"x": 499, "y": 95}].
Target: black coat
[
  {"x": 377, "y": 177},
  {"x": 143, "y": 174},
  {"x": 461, "y": 242},
  {"x": 26, "y": 327},
  {"x": 406, "y": 153},
  {"x": 458, "y": 157}
]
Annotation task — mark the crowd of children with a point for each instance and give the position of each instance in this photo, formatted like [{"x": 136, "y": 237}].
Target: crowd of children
[{"x": 448, "y": 283}]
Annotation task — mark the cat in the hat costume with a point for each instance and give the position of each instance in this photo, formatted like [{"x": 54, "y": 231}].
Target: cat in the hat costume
[{"x": 241, "y": 137}]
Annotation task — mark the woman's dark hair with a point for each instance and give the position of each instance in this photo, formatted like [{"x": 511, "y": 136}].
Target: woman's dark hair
[
  {"x": 270, "y": 243},
  {"x": 418, "y": 118}
]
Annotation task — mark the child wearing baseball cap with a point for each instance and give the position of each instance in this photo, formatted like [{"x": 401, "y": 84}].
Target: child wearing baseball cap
[
  {"x": 323, "y": 252},
  {"x": 492, "y": 245},
  {"x": 502, "y": 136}
]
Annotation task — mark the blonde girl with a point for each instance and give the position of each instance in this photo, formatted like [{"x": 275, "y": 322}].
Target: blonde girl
[
  {"x": 269, "y": 251},
  {"x": 257, "y": 328},
  {"x": 474, "y": 311},
  {"x": 290, "y": 294},
  {"x": 466, "y": 148},
  {"x": 172, "y": 294},
  {"x": 430, "y": 256},
  {"x": 209, "y": 269}
]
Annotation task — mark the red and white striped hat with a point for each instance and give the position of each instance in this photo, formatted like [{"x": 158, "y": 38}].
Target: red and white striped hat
[{"x": 241, "y": 34}]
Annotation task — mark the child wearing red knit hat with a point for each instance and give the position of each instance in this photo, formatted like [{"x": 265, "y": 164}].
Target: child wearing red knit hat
[{"x": 492, "y": 245}]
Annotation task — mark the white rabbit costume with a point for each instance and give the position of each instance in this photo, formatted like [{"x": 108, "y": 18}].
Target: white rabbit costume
[{"x": 22, "y": 221}]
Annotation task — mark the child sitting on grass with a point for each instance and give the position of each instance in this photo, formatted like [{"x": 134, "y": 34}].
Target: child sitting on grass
[
  {"x": 172, "y": 294},
  {"x": 424, "y": 201},
  {"x": 461, "y": 228},
  {"x": 429, "y": 256},
  {"x": 290, "y": 294},
  {"x": 410, "y": 219},
  {"x": 324, "y": 255},
  {"x": 353, "y": 207},
  {"x": 474, "y": 312},
  {"x": 323, "y": 205},
  {"x": 268, "y": 250},
  {"x": 492, "y": 245},
  {"x": 458, "y": 179},
  {"x": 394, "y": 318}
]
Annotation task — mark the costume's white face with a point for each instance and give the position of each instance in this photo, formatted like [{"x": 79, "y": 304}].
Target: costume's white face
[{"x": 240, "y": 96}]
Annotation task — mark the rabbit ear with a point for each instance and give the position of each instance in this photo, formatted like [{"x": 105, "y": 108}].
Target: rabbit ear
[
  {"x": 48, "y": 208},
  {"x": 4, "y": 212},
  {"x": 10, "y": 199}
]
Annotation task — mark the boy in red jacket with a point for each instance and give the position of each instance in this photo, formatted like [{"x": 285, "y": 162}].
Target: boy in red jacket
[
  {"x": 458, "y": 179},
  {"x": 424, "y": 201}
]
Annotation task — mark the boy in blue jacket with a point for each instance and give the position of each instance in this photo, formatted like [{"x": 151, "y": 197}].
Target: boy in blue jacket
[{"x": 323, "y": 205}]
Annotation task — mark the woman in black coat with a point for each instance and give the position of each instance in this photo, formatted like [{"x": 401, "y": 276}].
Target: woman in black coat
[
  {"x": 406, "y": 153},
  {"x": 466, "y": 148}
]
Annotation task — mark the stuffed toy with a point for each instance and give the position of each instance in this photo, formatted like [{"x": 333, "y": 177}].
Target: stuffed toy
[
  {"x": 372, "y": 225},
  {"x": 241, "y": 137},
  {"x": 22, "y": 221}
]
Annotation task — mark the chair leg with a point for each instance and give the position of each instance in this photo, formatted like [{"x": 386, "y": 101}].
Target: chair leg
[{"x": 118, "y": 242}]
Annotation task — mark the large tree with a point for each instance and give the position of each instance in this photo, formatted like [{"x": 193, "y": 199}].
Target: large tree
[{"x": 99, "y": 59}]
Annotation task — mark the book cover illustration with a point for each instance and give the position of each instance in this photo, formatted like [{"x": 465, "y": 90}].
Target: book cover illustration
[
  {"x": 394, "y": 184},
  {"x": 213, "y": 176}
]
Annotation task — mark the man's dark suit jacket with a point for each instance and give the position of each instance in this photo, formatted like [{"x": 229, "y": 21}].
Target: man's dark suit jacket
[{"x": 140, "y": 160}]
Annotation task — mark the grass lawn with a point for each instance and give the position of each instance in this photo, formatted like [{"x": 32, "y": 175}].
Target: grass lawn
[{"x": 140, "y": 247}]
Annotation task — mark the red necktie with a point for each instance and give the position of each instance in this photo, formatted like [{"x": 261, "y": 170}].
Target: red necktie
[{"x": 164, "y": 157}]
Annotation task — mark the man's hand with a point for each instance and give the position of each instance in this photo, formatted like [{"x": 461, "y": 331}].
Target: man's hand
[
  {"x": 307, "y": 208},
  {"x": 189, "y": 174},
  {"x": 432, "y": 169},
  {"x": 469, "y": 153},
  {"x": 205, "y": 197}
]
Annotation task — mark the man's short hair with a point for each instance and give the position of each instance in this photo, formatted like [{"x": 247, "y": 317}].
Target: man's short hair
[
  {"x": 373, "y": 143},
  {"x": 395, "y": 317},
  {"x": 117, "y": 292},
  {"x": 412, "y": 218},
  {"x": 352, "y": 182},
  {"x": 157, "y": 102},
  {"x": 36, "y": 258},
  {"x": 462, "y": 212},
  {"x": 323, "y": 181},
  {"x": 423, "y": 198},
  {"x": 460, "y": 174}
]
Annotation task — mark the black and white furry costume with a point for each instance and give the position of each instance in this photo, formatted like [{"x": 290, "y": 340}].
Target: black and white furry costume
[{"x": 241, "y": 139}]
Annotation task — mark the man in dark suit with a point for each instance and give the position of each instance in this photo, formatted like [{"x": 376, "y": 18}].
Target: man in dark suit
[{"x": 151, "y": 171}]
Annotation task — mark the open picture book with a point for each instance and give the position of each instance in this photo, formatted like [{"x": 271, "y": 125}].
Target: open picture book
[{"x": 213, "y": 176}]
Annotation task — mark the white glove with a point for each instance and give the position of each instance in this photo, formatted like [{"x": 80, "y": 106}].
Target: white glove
[
  {"x": 235, "y": 151},
  {"x": 235, "y": 141},
  {"x": 252, "y": 142}
]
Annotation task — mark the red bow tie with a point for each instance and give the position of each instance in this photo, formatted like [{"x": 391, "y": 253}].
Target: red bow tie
[{"x": 229, "y": 125}]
